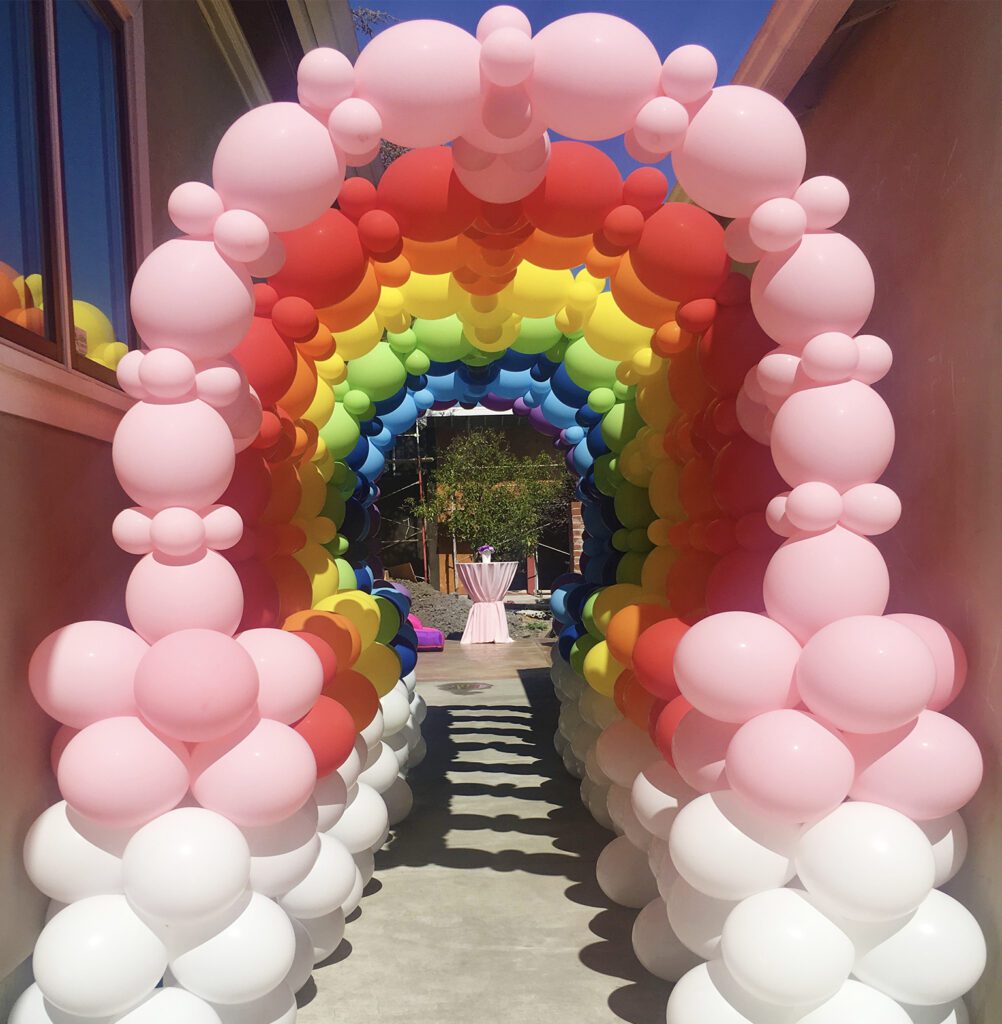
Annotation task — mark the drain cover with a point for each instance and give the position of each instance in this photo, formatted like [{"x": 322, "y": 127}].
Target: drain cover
[{"x": 464, "y": 687}]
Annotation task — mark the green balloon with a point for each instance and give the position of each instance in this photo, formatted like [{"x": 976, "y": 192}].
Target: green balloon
[
  {"x": 579, "y": 649},
  {"x": 601, "y": 400},
  {"x": 347, "y": 580},
  {"x": 588, "y": 616},
  {"x": 620, "y": 424},
  {"x": 341, "y": 389},
  {"x": 621, "y": 540},
  {"x": 623, "y": 392},
  {"x": 334, "y": 506},
  {"x": 356, "y": 402},
  {"x": 378, "y": 373},
  {"x": 638, "y": 540},
  {"x": 417, "y": 362},
  {"x": 536, "y": 335},
  {"x": 558, "y": 352},
  {"x": 606, "y": 478},
  {"x": 633, "y": 507},
  {"x": 630, "y": 568},
  {"x": 404, "y": 342},
  {"x": 587, "y": 368},
  {"x": 389, "y": 620},
  {"x": 340, "y": 432},
  {"x": 442, "y": 340},
  {"x": 344, "y": 479},
  {"x": 337, "y": 548}
]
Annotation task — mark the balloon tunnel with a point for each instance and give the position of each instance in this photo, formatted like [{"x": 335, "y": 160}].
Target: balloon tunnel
[{"x": 773, "y": 750}]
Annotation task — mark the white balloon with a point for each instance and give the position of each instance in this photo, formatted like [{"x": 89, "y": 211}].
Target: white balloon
[
  {"x": 767, "y": 933},
  {"x": 418, "y": 753},
  {"x": 410, "y": 681},
  {"x": 171, "y": 1006},
  {"x": 399, "y": 801},
  {"x": 659, "y": 861},
  {"x": 569, "y": 720},
  {"x": 623, "y": 875},
  {"x": 331, "y": 796},
  {"x": 353, "y": 763},
  {"x": 327, "y": 884},
  {"x": 592, "y": 769},
  {"x": 697, "y": 919},
  {"x": 726, "y": 849},
  {"x": 302, "y": 964},
  {"x": 657, "y": 795},
  {"x": 656, "y": 945},
  {"x": 283, "y": 854},
  {"x": 582, "y": 739},
  {"x": 398, "y": 744},
  {"x": 188, "y": 864},
  {"x": 350, "y": 905},
  {"x": 945, "y": 1013},
  {"x": 244, "y": 961},
  {"x": 97, "y": 958},
  {"x": 275, "y": 1007},
  {"x": 326, "y": 934},
  {"x": 70, "y": 858},
  {"x": 932, "y": 956},
  {"x": 598, "y": 805},
  {"x": 396, "y": 707},
  {"x": 32, "y": 1008},
  {"x": 419, "y": 709},
  {"x": 412, "y": 732},
  {"x": 622, "y": 814},
  {"x": 366, "y": 864},
  {"x": 382, "y": 772},
  {"x": 623, "y": 750},
  {"x": 373, "y": 732},
  {"x": 866, "y": 862},
  {"x": 363, "y": 822},
  {"x": 597, "y": 709},
  {"x": 709, "y": 995},
  {"x": 859, "y": 1004},
  {"x": 949, "y": 845}
]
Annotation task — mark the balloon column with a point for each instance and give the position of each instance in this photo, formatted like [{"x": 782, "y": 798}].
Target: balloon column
[{"x": 769, "y": 743}]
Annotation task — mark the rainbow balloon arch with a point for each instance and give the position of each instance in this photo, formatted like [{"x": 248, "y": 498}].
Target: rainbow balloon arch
[{"x": 770, "y": 745}]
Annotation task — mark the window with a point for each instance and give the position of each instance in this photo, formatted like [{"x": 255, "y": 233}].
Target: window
[{"x": 66, "y": 253}]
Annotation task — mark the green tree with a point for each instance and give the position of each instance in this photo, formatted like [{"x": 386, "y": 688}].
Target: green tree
[{"x": 483, "y": 493}]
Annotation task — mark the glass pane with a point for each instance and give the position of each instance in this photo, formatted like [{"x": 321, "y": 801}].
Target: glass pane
[
  {"x": 21, "y": 247},
  {"x": 90, "y": 110}
]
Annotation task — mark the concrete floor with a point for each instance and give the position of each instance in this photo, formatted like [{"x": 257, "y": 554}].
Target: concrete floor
[{"x": 484, "y": 908}]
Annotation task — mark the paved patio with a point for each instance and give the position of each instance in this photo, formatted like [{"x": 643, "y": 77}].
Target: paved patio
[{"x": 484, "y": 908}]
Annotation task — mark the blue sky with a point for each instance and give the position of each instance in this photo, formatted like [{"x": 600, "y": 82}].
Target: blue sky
[{"x": 727, "y": 27}]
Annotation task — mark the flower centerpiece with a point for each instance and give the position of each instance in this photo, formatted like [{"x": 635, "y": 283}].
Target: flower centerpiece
[{"x": 485, "y": 551}]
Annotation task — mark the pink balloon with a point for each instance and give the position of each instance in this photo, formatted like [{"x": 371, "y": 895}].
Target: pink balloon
[
  {"x": 592, "y": 74},
  {"x": 506, "y": 56},
  {"x": 926, "y": 769},
  {"x": 290, "y": 672},
  {"x": 825, "y": 200},
  {"x": 194, "y": 207},
  {"x": 499, "y": 178},
  {"x": 688, "y": 73},
  {"x": 736, "y": 665},
  {"x": 168, "y": 455},
  {"x": 325, "y": 77},
  {"x": 789, "y": 766},
  {"x": 824, "y": 284},
  {"x": 870, "y": 509},
  {"x": 185, "y": 295},
  {"x": 424, "y": 79},
  {"x": 742, "y": 148},
  {"x": 162, "y": 598},
  {"x": 866, "y": 673},
  {"x": 947, "y": 653},
  {"x": 256, "y": 776},
  {"x": 59, "y": 743},
  {"x": 698, "y": 749},
  {"x": 196, "y": 685},
  {"x": 279, "y": 162},
  {"x": 84, "y": 672},
  {"x": 506, "y": 122},
  {"x": 119, "y": 773},
  {"x": 842, "y": 435},
  {"x": 812, "y": 581}
]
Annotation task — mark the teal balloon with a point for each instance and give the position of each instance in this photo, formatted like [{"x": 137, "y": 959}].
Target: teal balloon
[
  {"x": 378, "y": 373},
  {"x": 340, "y": 432},
  {"x": 587, "y": 368},
  {"x": 536, "y": 335},
  {"x": 620, "y": 425},
  {"x": 633, "y": 508},
  {"x": 441, "y": 340}
]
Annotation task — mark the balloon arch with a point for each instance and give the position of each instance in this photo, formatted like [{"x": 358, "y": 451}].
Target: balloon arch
[{"x": 769, "y": 743}]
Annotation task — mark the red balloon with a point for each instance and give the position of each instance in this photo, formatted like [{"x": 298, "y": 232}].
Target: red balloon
[
  {"x": 695, "y": 490},
  {"x": 735, "y": 585},
  {"x": 745, "y": 478},
  {"x": 731, "y": 347},
  {"x": 421, "y": 192},
  {"x": 582, "y": 186},
  {"x": 645, "y": 188},
  {"x": 295, "y": 319},
  {"x": 653, "y": 657},
  {"x": 623, "y": 226},
  {"x": 268, "y": 359},
  {"x": 324, "y": 261},
  {"x": 261, "y": 600},
  {"x": 330, "y": 731},
  {"x": 379, "y": 233},
  {"x": 686, "y": 382},
  {"x": 686, "y": 582},
  {"x": 323, "y": 650},
  {"x": 681, "y": 253},
  {"x": 664, "y": 730},
  {"x": 357, "y": 196},
  {"x": 250, "y": 486},
  {"x": 352, "y": 690}
]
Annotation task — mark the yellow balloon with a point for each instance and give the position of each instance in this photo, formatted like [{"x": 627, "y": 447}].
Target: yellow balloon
[
  {"x": 359, "y": 608},
  {"x": 634, "y": 464},
  {"x": 663, "y": 492},
  {"x": 322, "y": 406},
  {"x": 601, "y": 670},
  {"x": 109, "y": 354},
  {"x": 427, "y": 295},
  {"x": 494, "y": 339},
  {"x": 645, "y": 363},
  {"x": 356, "y": 341},
  {"x": 658, "y": 532},
  {"x": 323, "y": 460},
  {"x": 537, "y": 292},
  {"x": 611, "y": 333},
  {"x": 313, "y": 490},
  {"x": 320, "y": 568},
  {"x": 391, "y": 303},
  {"x": 655, "y": 572},
  {"x": 333, "y": 370},
  {"x": 654, "y": 402},
  {"x": 381, "y": 666},
  {"x": 494, "y": 317}
]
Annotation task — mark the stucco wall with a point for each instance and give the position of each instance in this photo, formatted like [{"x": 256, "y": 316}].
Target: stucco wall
[{"x": 908, "y": 117}]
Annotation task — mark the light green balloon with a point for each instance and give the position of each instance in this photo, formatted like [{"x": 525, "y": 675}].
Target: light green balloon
[
  {"x": 340, "y": 432},
  {"x": 480, "y": 358},
  {"x": 620, "y": 424},
  {"x": 536, "y": 335},
  {"x": 378, "y": 373},
  {"x": 404, "y": 342},
  {"x": 630, "y": 568},
  {"x": 389, "y": 620},
  {"x": 442, "y": 340},
  {"x": 337, "y": 548},
  {"x": 579, "y": 650},
  {"x": 344, "y": 479},
  {"x": 587, "y": 368},
  {"x": 606, "y": 478},
  {"x": 334, "y": 507},
  {"x": 621, "y": 540},
  {"x": 601, "y": 400},
  {"x": 623, "y": 392},
  {"x": 638, "y": 540},
  {"x": 347, "y": 580},
  {"x": 633, "y": 508},
  {"x": 558, "y": 352},
  {"x": 356, "y": 402},
  {"x": 417, "y": 362},
  {"x": 588, "y": 616}
]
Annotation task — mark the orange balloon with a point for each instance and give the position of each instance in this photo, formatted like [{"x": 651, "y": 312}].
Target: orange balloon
[
  {"x": 301, "y": 391},
  {"x": 9, "y": 297},
  {"x": 286, "y": 494},
  {"x": 393, "y": 274},
  {"x": 352, "y": 690},
  {"x": 636, "y": 300},
  {"x": 433, "y": 257},
  {"x": 294, "y": 589},
  {"x": 633, "y": 700},
  {"x": 626, "y": 626},
  {"x": 555, "y": 253},
  {"x": 599, "y": 265},
  {"x": 350, "y": 312},
  {"x": 339, "y": 632},
  {"x": 31, "y": 319},
  {"x": 320, "y": 346}
]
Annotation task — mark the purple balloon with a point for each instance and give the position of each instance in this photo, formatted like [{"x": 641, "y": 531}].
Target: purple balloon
[
  {"x": 443, "y": 405},
  {"x": 519, "y": 408},
  {"x": 496, "y": 403},
  {"x": 538, "y": 419}
]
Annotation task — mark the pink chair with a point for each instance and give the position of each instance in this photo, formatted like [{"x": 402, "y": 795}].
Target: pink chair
[{"x": 428, "y": 639}]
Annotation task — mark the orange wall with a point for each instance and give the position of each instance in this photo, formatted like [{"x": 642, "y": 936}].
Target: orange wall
[{"x": 908, "y": 118}]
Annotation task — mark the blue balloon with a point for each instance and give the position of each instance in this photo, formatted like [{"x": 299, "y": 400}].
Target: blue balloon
[
  {"x": 574, "y": 435},
  {"x": 415, "y": 382},
  {"x": 389, "y": 404},
  {"x": 512, "y": 383},
  {"x": 407, "y": 634},
  {"x": 356, "y": 522},
  {"x": 370, "y": 428},
  {"x": 363, "y": 577},
  {"x": 596, "y": 443},
  {"x": 358, "y": 454},
  {"x": 408, "y": 657},
  {"x": 424, "y": 399},
  {"x": 513, "y": 360},
  {"x": 374, "y": 463},
  {"x": 566, "y": 390},
  {"x": 557, "y": 414},
  {"x": 587, "y": 417},
  {"x": 402, "y": 418},
  {"x": 581, "y": 458},
  {"x": 384, "y": 439}
]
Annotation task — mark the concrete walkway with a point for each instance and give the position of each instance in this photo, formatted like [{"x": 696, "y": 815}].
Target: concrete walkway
[{"x": 484, "y": 907}]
